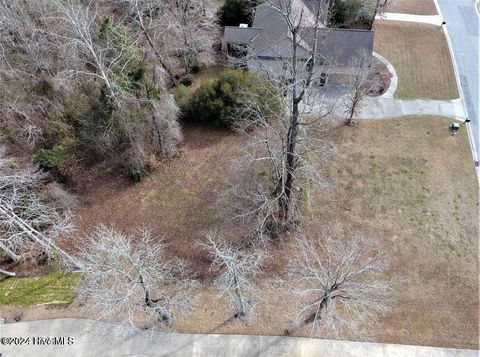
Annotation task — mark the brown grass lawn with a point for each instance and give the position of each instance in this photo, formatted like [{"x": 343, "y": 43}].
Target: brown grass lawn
[
  {"x": 421, "y": 58},
  {"x": 415, "y": 7},
  {"x": 405, "y": 182},
  {"x": 411, "y": 185},
  {"x": 181, "y": 200}
]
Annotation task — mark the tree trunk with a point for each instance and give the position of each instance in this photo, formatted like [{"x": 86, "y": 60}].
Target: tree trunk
[
  {"x": 286, "y": 196},
  {"x": 376, "y": 9},
  {"x": 157, "y": 54},
  {"x": 10, "y": 253},
  {"x": 352, "y": 112},
  {"x": 164, "y": 315},
  {"x": 287, "y": 181},
  {"x": 242, "y": 309}
]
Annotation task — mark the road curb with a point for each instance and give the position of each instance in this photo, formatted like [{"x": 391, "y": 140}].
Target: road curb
[{"x": 90, "y": 337}]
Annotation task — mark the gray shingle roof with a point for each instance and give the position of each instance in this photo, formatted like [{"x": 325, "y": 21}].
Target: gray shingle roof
[
  {"x": 323, "y": 8},
  {"x": 240, "y": 35},
  {"x": 340, "y": 46},
  {"x": 269, "y": 37}
]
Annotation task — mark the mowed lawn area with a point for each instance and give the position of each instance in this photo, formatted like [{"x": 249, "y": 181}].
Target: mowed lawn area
[
  {"x": 411, "y": 185},
  {"x": 407, "y": 183},
  {"x": 54, "y": 288},
  {"x": 414, "y": 7},
  {"x": 420, "y": 55}
]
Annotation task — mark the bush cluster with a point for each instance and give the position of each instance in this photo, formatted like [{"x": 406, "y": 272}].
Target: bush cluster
[
  {"x": 220, "y": 102},
  {"x": 235, "y": 12},
  {"x": 346, "y": 12}
]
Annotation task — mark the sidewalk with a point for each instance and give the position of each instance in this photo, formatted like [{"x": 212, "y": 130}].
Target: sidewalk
[
  {"x": 381, "y": 108},
  {"x": 430, "y": 19},
  {"x": 86, "y": 342}
]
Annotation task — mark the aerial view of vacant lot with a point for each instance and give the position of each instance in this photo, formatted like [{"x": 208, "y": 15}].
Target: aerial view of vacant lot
[{"x": 167, "y": 183}]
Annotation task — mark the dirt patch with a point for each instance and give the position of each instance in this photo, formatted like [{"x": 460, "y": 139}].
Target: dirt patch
[
  {"x": 414, "y": 7},
  {"x": 421, "y": 58},
  {"x": 379, "y": 78}
]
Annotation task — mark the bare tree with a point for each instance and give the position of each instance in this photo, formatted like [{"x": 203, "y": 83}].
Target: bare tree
[
  {"x": 49, "y": 48},
  {"x": 359, "y": 71},
  {"x": 129, "y": 278},
  {"x": 377, "y": 7},
  {"x": 282, "y": 145},
  {"x": 152, "y": 23},
  {"x": 23, "y": 38},
  {"x": 195, "y": 30},
  {"x": 236, "y": 269},
  {"x": 105, "y": 51},
  {"x": 93, "y": 54},
  {"x": 166, "y": 132},
  {"x": 339, "y": 284},
  {"x": 184, "y": 29},
  {"x": 30, "y": 221}
]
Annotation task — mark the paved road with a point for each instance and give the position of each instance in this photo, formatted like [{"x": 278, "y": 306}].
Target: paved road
[
  {"x": 463, "y": 25},
  {"x": 86, "y": 340}
]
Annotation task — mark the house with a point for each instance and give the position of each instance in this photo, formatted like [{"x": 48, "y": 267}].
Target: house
[{"x": 267, "y": 45}]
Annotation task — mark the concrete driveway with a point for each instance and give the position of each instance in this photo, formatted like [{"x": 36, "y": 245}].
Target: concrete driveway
[
  {"x": 90, "y": 338},
  {"x": 463, "y": 27}
]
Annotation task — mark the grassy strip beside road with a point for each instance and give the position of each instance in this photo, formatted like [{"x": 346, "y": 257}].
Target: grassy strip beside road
[
  {"x": 421, "y": 58},
  {"x": 55, "y": 288}
]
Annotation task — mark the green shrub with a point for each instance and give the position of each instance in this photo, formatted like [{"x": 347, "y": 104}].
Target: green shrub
[
  {"x": 43, "y": 88},
  {"x": 344, "y": 11},
  {"x": 182, "y": 96},
  {"x": 54, "y": 157},
  {"x": 235, "y": 12},
  {"x": 187, "y": 80},
  {"x": 136, "y": 174},
  {"x": 218, "y": 102},
  {"x": 61, "y": 159}
]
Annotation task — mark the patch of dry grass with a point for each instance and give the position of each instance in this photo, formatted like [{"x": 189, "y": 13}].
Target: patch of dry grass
[
  {"x": 181, "y": 200},
  {"x": 411, "y": 185},
  {"x": 415, "y": 7},
  {"x": 421, "y": 58},
  {"x": 209, "y": 73}
]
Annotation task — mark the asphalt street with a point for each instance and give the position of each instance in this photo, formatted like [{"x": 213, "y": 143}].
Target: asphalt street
[
  {"x": 463, "y": 25},
  {"x": 75, "y": 337}
]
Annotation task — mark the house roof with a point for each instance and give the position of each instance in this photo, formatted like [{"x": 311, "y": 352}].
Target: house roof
[
  {"x": 240, "y": 35},
  {"x": 323, "y": 8},
  {"x": 340, "y": 46},
  {"x": 269, "y": 36}
]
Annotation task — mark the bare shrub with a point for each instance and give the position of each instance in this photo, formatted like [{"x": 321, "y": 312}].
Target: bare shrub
[
  {"x": 128, "y": 278},
  {"x": 237, "y": 269},
  {"x": 31, "y": 218},
  {"x": 339, "y": 284}
]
